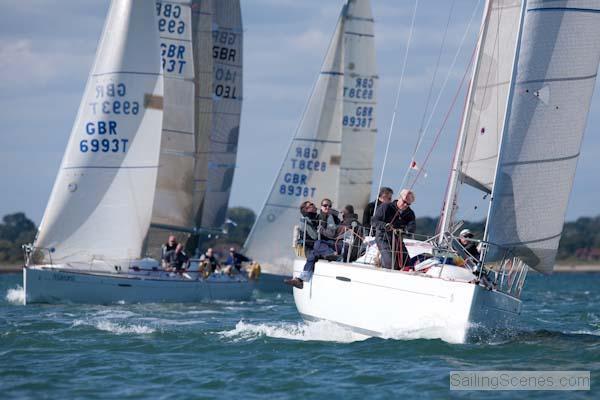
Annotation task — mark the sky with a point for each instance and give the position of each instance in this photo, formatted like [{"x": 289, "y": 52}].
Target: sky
[{"x": 47, "y": 49}]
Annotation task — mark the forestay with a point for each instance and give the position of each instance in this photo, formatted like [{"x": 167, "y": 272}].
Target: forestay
[
  {"x": 486, "y": 105},
  {"x": 311, "y": 167},
  {"x": 554, "y": 81},
  {"x": 359, "y": 111},
  {"x": 101, "y": 202},
  {"x": 227, "y": 35}
]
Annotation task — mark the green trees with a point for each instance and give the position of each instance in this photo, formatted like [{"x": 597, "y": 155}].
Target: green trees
[
  {"x": 15, "y": 230},
  {"x": 580, "y": 239}
]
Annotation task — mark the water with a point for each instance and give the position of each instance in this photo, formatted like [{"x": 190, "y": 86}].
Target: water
[{"x": 261, "y": 348}]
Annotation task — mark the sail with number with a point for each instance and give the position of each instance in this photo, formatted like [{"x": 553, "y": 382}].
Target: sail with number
[
  {"x": 553, "y": 82},
  {"x": 227, "y": 37},
  {"x": 332, "y": 151},
  {"x": 173, "y": 202},
  {"x": 359, "y": 108},
  {"x": 101, "y": 202},
  {"x": 201, "y": 50}
]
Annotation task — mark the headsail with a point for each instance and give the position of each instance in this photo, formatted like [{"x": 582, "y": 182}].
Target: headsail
[
  {"x": 359, "y": 114},
  {"x": 101, "y": 202},
  {"x": 227, "y": 35},
  {"x": 483, "y": 119},
  {"x": 173, "y": 209},
  {"x": 327, "y": 157},
  {"x": 486, "y": 105},
  {"x": 554, "y": 82}
]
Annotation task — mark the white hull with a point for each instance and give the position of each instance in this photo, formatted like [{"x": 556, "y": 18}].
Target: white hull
[
  {"x": 46, "y": 284},
  {"x": 378, "y": 302}
]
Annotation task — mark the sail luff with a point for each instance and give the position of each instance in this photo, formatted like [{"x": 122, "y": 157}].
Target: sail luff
[{"x": 108, "y": 173}]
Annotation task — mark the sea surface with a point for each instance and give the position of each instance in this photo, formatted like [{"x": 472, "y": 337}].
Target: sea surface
[{"x": 262, "y": 349}]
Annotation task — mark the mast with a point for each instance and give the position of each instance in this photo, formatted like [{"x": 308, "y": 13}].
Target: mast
[{"x": 452, "y": 193}]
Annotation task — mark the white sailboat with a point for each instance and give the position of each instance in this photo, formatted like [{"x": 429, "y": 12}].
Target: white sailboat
[
  {"x": 331, "y": 154},
  {"x": 131, "y": 162},
  {"x": 520, "y": 138}
]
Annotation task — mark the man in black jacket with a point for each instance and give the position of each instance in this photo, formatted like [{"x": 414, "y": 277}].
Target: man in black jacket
[
  {"x": 384, "y": 197},
  {"x": 396, "y": 215},
  {"x": 324, "y": 248}
]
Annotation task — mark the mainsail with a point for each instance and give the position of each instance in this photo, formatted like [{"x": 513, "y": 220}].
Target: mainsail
[
  {"x": 202, "y": 23},
  {"x": 359, "y": 112},
  {"x": 227, "y": 35},
  {"x": 173, "y": 203},
  {"x": 101, "y": 202},
  {"x": 331, "y": 153},
  {"x": 552, "y": 87}
]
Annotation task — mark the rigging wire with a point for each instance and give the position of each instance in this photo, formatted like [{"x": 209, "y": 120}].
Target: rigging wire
[
  {"x": 446, "y": 117},
  {"x": 433, "y": 78},
  {"x": 450, "y": 70},
  {"x": 387, "y": 147}
]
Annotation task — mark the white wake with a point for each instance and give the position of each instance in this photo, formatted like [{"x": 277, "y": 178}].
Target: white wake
[
  {"x": 302, "y": 331},
  {"x": 16, "y": 296}
]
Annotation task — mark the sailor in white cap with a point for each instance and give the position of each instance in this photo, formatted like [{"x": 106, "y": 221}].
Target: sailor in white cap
[{"x": 465, "y": 238}]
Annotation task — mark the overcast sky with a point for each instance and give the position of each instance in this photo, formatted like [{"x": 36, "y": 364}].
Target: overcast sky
[{"x": 47, "y": 49}]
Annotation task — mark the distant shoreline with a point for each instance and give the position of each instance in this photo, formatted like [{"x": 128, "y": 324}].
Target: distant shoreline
[
  {"x": 8, "y": 269},
  {"x": 576, "y": 268}
]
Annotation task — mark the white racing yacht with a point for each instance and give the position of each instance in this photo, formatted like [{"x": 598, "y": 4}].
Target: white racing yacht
[
  {"x": 331, "y": 153},
  {"x": 534, "y": 75},
  {"x": 151, "y": 153}
]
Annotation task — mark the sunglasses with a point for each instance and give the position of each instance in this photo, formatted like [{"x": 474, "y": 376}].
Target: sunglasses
[{"x": 326, "y": 205}]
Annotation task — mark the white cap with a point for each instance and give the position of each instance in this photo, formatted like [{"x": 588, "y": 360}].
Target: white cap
[{"x": 466, "y": 232}]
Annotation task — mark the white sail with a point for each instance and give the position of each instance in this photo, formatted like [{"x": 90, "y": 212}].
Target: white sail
[
  {"x": 553, "y": 85},
  {"x": 101, "y": 202},
  {"x": 486, "y": 105},
  {"x": 311, "y": 167},
  {"x": 227, "y": 35},
  {"x": 359, "y": 113},
  {"x": 173, "y": 209}
]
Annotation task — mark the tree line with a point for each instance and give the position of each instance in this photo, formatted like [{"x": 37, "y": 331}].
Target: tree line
[{"x": 580, "y": 239}]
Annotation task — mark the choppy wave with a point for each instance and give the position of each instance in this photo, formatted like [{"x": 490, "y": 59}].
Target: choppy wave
[
  {"x": 16, "y": 296},
  {"x": 301, "y": 331},
  {"x": 116, "y": 328}
]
